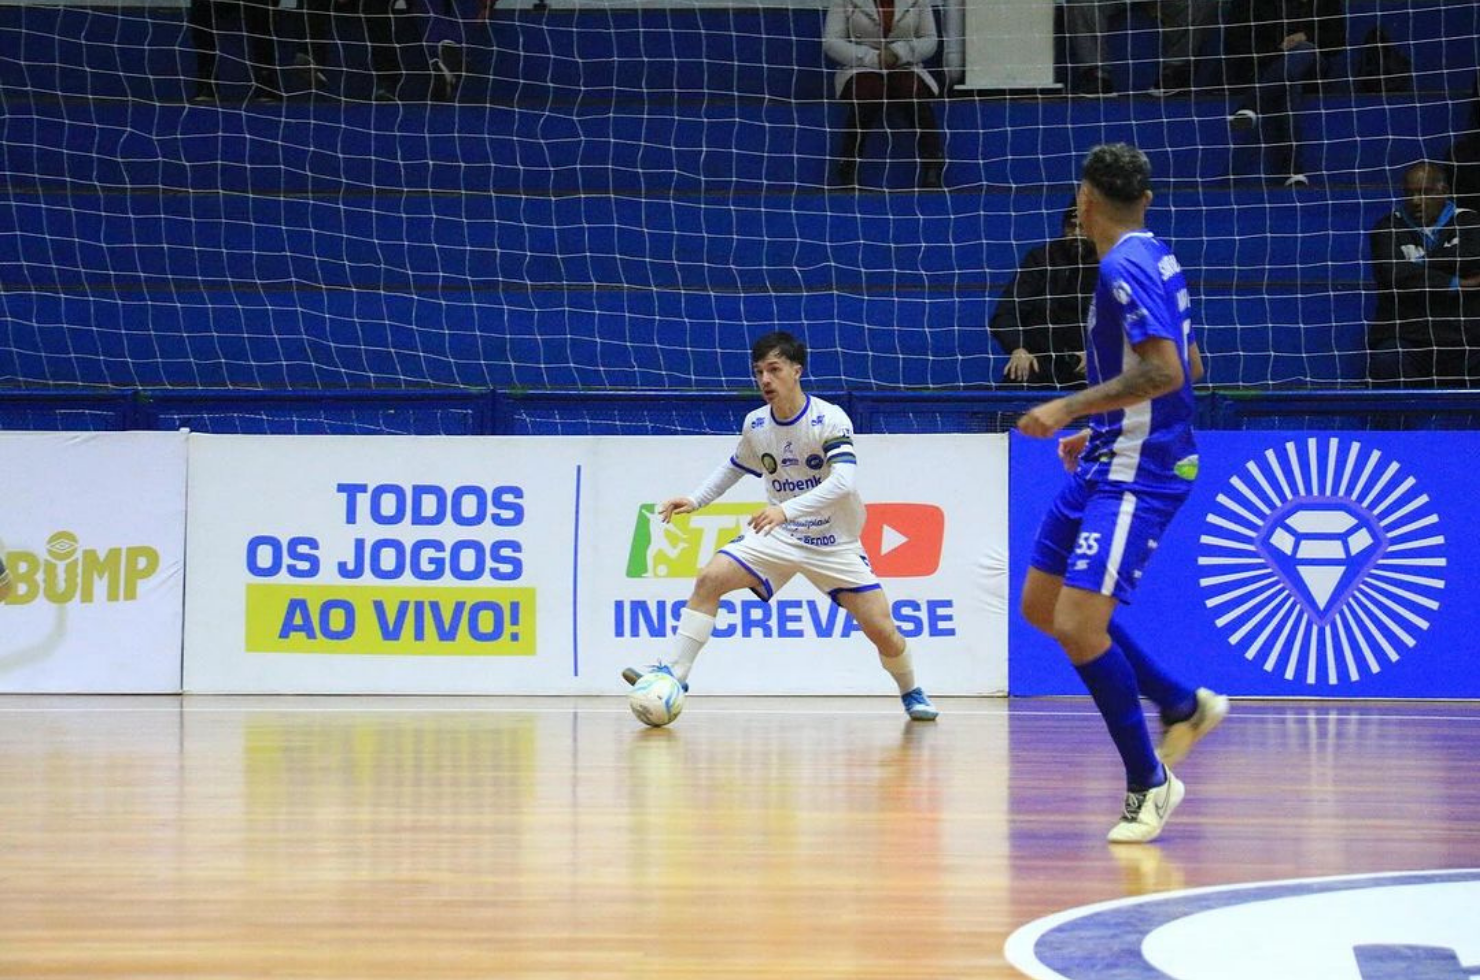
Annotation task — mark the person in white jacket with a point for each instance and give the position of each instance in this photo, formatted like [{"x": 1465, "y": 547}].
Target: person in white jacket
[{"x": 881, "y": 47}]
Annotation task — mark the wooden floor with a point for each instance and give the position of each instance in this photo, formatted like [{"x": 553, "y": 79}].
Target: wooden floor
[{"x": 801, "y": 837}]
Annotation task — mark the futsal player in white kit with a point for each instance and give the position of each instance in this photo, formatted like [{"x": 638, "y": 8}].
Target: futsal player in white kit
[{"x": 802, "y": 449}]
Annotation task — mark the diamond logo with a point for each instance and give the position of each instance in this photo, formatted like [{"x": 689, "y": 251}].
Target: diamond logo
[
  {"x": 1322, "y": 561},
  {"x": 1321, "y": 551}
]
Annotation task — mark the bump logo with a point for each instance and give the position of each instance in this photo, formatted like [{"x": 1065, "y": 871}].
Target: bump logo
[
  {"x": 903, "y": 540},
  {"x": 66, "y": 572}
]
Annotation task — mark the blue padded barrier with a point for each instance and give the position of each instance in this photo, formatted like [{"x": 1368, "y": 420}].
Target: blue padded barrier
[
  {"x": 666, "y": 412},
  {"x": 243, "y": 291},
  {"x": 910, "y": 412},
  {"x": 260, "y": 338},
  {"x": 587, "y": 338},
  {"x": 23, "y": 410},
  {"x": 1359, "y": 410},
  {"x": 630, "y": 412},
  {"x": 955, "y": 242},
  {"x": 319, "y": 412},
  {"x": 1283, "y": 336},
  {"x": 354, "y": 152}
]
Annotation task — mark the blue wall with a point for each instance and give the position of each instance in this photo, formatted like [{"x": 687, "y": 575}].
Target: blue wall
[{"x": 1367, "y": 592}]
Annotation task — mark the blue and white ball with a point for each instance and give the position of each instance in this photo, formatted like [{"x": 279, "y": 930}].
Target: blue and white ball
[{"x": 656, "y": 699}]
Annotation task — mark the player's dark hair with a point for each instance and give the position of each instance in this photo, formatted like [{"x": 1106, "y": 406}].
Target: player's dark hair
[
  {"x": 1119, "y": 171},
  {"x": 779, "y": 342}
]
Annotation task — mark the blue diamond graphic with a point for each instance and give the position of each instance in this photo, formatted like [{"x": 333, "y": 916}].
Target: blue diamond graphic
[{"x": 1321, "y": 549}]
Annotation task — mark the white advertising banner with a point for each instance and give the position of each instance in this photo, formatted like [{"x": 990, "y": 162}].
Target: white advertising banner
[
  {"x": 936, "y": 534},
  {"x": 532, "y": 566},
  {"x": 397, "y": 564},
  {"x": 92, "y": 528}
]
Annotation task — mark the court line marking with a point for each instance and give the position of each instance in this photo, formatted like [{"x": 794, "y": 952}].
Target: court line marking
[{"x": 1132, "y": 919}]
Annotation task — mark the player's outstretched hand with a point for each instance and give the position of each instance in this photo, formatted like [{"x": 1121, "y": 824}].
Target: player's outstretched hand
[
  {"x": 1043, "y": 420},
  {"x": 764, "y": 521},
  {"x": 1071, "y": 448},
  {"x": 674, "y": 505}
]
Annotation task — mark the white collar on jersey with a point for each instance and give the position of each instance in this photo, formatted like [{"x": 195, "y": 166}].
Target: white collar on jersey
[{"x": 795, "y": 418}]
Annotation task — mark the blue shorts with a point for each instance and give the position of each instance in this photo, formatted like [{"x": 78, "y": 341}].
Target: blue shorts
[{"x": 1099, "y": 536}]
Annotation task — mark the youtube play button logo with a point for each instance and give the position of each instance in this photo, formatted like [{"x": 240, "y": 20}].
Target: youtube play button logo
[{"x": 904, "y": 540}]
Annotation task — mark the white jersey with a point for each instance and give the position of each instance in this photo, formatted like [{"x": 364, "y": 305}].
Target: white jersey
[{"x": 795, "y": 457}]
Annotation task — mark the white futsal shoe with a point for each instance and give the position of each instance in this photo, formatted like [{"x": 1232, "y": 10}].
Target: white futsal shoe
[
  {"x": 1147, "y": 812},
  {"x": 1178, "y": 739}
]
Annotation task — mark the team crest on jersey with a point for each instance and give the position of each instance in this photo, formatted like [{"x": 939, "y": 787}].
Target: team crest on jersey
[
  {"x": 769, "y": 462},
  {"x": 1323, "y": 565},
  {"x": 814, "y": 461}
]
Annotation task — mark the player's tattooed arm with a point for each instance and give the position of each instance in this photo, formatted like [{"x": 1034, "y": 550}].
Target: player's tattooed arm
[
  {"x": 1156, "y": 371},
  {"x": 1143, "y": 380}
]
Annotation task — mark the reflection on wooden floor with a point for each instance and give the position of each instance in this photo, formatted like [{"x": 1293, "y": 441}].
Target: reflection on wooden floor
[{"x": 800, "y": 837}]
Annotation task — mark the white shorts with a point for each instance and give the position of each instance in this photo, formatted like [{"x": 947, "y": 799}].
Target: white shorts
[{"x": 774, "y": 558}]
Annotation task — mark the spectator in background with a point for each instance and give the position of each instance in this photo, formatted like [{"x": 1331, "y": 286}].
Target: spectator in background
[
  {"x": 1183, "y": 26},
  {"x": 1275, "y": 46},
  {"x": 881, "y": 47},
  {"x": 261, "y": 21},
  {"x": 446, "y": 39},
  {"x": 318, "y": 41},
  {"x": 1039, "y": 321},
  {"x": 1426, "y": 263},
  {"x": 408, "y": 37},
  {"x": 390, "y": 34},
  {"x": 1464, "y": 157},
  {"x": 259, "y": 26}
]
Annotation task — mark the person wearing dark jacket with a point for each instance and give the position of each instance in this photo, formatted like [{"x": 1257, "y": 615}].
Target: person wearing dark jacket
[
  {"x": 1039, "y": 321},
  {"x": 1464, "y": 156},
  {"x": 1426, "y": 264},
  {"x": 1275, "y": 47}
]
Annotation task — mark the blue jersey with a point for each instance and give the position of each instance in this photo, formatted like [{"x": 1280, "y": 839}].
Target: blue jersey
[{"x": 1141, "y": 294}]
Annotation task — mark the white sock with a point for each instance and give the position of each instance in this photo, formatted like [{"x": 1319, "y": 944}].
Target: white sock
[
  {"x": 694, "y": 628},
  {"x": 902, "y": 669}
]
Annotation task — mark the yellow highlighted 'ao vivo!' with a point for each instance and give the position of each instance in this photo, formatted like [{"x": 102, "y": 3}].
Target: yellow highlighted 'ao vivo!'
[{"x": 416, "y": 621}]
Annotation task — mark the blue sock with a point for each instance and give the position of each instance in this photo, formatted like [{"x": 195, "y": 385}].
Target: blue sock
[
  {"x": 1112, "y": 683},
  {"x": 1176, "y": 700}
]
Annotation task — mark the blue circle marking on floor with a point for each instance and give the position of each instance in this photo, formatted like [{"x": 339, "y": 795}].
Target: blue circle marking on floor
[{"x": 1412, "y": 925}]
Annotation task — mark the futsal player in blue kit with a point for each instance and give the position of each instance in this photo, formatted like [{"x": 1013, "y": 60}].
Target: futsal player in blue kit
[{"x": 1130, "y": 470}]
